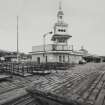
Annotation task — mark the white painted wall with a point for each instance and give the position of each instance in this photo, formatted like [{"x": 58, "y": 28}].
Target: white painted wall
[
  {"x": 55, "y": 58},
  {"x": 75, "y": 58},
  {"x": 50, "y": 58}
]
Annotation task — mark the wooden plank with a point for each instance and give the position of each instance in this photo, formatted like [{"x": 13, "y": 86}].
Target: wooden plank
[{"x": 100, "y": 98}]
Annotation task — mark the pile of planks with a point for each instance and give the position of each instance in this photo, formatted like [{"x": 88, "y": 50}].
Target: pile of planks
[{"x": 83, "y": 87}]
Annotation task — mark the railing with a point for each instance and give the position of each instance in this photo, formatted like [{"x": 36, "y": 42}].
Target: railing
[
  {"x": 61, "y": 47},
  {"x": 51, "y": 47},
  {"x": 32, "y": 67}
]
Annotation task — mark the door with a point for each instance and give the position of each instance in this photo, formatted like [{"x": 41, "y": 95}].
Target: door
[{"x": 38, "y": 60}]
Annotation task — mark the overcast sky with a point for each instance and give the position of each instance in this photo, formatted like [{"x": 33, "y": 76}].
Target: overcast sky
[{"x": 86, "y": 19}]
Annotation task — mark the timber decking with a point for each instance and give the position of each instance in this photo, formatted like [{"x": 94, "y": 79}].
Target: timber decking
[{"x": 84, "y": 84}]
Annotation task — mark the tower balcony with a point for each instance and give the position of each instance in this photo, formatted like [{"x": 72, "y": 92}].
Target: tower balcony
[{"x": 52, "y": 47}]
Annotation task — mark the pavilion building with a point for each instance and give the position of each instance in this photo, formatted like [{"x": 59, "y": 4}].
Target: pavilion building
[{"x": 59, "y": 51}]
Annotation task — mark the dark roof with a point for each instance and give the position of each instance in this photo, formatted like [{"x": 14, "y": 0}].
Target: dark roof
[{"x": 57, "y": 36}]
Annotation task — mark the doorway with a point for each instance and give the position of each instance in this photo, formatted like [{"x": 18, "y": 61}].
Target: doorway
[{"x": 38, "y": 60}]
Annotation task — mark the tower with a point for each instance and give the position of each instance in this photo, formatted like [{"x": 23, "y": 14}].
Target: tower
[{"x": 61, "y": 35}]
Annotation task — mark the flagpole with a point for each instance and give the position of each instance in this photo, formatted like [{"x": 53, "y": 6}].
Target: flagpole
[{"x": 17, "y": 41}]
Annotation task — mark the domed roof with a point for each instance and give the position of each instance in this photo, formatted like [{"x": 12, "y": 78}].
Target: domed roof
[{"x": 83, "y": 50}]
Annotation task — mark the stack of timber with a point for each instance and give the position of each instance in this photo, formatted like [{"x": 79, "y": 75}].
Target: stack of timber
[{"x": 84, "y": 87}]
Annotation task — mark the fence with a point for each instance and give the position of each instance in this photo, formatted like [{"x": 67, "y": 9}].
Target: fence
[{"x": 32, "y": 67}]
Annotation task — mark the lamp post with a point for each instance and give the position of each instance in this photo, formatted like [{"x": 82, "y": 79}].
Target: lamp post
[{"x": 44, "y": 43}]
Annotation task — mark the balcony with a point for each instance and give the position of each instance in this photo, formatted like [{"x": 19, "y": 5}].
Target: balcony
[
  {"x": 61, "y": 47},
  {"x": 51, "y": 47}
]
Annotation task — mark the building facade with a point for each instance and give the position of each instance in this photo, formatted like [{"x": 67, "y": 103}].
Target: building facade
[{"x": 59, "y": 51}]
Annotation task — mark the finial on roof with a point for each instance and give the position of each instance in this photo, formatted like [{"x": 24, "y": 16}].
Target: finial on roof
[{"x": 60, "y": 5}]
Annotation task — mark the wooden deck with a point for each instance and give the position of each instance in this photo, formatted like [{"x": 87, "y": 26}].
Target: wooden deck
[
  {"x": 82, "y": 85},
  {"x": 86, "y": 86}
]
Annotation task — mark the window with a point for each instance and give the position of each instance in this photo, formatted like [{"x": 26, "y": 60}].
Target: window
[
  {"x": 60, "y": 17},
  {"x": 61, "y": 30},
  {"x": 63, "y": 58},
  {"x": 54, "y": 47},
  {"x": 60, "y": 58},
  {"x": 61, "y": 40},
  {"x": 68, "y": 59},
  {"x": 46, "y": 59}
]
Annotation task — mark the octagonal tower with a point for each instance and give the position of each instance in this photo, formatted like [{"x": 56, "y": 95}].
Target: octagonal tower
[{"x": 61, "y": 35}]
